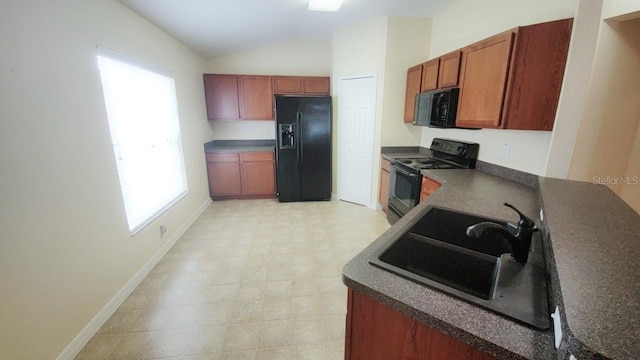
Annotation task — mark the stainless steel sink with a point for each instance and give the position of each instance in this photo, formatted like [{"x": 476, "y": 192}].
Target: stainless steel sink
[{"x": 435, "y": 251}]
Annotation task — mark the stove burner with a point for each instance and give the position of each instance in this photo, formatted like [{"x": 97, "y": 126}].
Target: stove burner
[{"x": 405, "y": 161}]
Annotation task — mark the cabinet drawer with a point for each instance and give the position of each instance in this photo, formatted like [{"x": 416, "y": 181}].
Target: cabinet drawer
[
  {"x": 256, "y": 156},
  {"x": 223, "y": 157}
]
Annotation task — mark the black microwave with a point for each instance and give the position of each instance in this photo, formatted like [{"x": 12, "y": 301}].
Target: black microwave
[{"x": 436, "y": 108}]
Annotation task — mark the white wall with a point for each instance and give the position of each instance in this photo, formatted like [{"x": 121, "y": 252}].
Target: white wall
[
  {"x": 467, "y": 21},
  {"x": 408, "y": 42},
  {"x": 607, "y": 136},
  {"x": 65, "y": 247},
  {"x": 359, "y": 50},
  {"x": 302, "y": 58}
]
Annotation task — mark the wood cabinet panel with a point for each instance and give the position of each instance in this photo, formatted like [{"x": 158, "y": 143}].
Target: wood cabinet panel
[
  {"x": 414, "y": 81},
  {"x": 316, "y": 85},
  {"x": 222, "y": 157},
  {"x": 430, "y": 71},
  {"x": 287, "y": 84},
  {"x": 375, "y": 331},
  {"x": 241, "y": 175},
  {"x": 483, "y": 82},
  {"x": 540, "y": 57},
  {"x": 258, "y": 178},
  {"x": 256, "y": 156},
  {"x": 449, "y": 69},
  {"x": 224, "y": 178},
  {"x": 256, "y": 97},
  {"x": 383, "y": 194},
  {"x": 429, "y": 186},
  {"x": 221, "y": 95}
]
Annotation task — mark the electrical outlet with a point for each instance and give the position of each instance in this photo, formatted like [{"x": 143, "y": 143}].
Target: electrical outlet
[
  {"x": 163, "y": 229},
  {"x": 506, "y": 151}
]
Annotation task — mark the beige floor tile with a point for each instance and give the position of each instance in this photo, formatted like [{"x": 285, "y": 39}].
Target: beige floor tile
[
  {"x": 216, "y": 313},
  {"x": 276, "y": 309},
  {"x": 241, "y": 337},
  {"x": 239, "y": 355},
  {"x": 275, "y": 333},
  {"x": 308, "y": 331},
  {"x": 246, "y": 312},
  {"x": 242, "y": 265},
  {"x": 281, "y": 353},
  {"x": 310, "y": 352},
  {"x": 204, "y": 340},
  {"x": 334, "y": 326}
]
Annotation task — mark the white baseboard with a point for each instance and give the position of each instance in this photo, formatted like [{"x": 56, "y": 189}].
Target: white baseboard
[
  {"x": 375, "y": 206},
  {"x": 103, "y": 315}
]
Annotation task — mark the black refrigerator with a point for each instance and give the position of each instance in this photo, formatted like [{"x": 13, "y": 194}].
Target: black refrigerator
[{"x": 303, "y": 148}]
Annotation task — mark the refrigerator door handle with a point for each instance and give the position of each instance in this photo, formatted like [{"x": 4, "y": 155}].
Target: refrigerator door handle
[{"x": 300, "y": 129}]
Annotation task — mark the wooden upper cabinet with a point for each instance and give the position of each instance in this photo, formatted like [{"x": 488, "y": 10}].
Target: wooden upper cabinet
[
  {"x": 430, "y": 71},
  {"x": 414, "y": 81},
  {"x": 483, "y": 80},
  {"x": 315, "y": 85},
  {"x": 539, "y": 61},
  {"x": 221, "y": 93},
  {"x": 449, "y": 69},
  {"x": 513, "y": 80},
  {"x": 256, "y": 97},
  {"x": 287, "y": 84}
]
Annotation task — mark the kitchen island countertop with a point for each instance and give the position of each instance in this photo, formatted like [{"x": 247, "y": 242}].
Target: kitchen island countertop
[{"x": 593, "y": 266}]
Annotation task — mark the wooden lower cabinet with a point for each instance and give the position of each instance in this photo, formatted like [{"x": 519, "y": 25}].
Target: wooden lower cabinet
[
  {"x": 377, "y": 332},
  {"x": 383, "y": 196},
  {"x": 241, "y": 175}
]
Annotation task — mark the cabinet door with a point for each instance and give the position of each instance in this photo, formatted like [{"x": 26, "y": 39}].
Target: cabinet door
[
  {"x": 224, "y": 178},
  {"x": 258, "y": 178},
  {"x": 430, "y": 71},
  {"x": 287, "y": 85},
  {"x": 483, "y": 81},
  {"x": 316, "y": 85},
  {"x": 256, "y": 97},
  {"x": 428, "y": 187},
  {"x": 414, "y": 81},
  {"x": 375, "y": 331},
  {"x": 221, "y": 93},
  {"x": 449, "y": 69}
]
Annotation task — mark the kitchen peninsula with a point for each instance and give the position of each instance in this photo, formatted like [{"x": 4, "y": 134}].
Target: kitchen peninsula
[{"x": 591, "y": 246}]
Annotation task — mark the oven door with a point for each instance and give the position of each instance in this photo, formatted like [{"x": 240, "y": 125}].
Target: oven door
[{"x": 404, "y": 190}]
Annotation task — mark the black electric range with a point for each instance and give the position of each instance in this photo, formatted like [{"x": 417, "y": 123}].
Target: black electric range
[{"x": 405, "y": 180}]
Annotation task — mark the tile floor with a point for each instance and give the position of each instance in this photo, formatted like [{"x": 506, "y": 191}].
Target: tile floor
[{"x": 251, "y": 279}]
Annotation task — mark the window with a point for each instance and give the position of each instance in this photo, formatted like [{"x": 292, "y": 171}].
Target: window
[{"x": 145, "y": 132}]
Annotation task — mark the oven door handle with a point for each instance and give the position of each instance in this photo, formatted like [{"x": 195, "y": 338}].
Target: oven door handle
[{"x": 396, "y": 168}]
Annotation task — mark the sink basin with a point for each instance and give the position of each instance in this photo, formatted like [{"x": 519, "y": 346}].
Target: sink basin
[
  {"x": 450, "y": 227},
  {"x": 435, "y": 251},
  {"x": 473, "y": 272}
]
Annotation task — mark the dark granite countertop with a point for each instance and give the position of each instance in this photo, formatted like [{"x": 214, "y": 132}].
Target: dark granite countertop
[
  {"x": 397, "y": 152},
  {"x": 475, "y": 192},
  {"x": 595, "y": 242},
  {"x": 222, "y": 146}
]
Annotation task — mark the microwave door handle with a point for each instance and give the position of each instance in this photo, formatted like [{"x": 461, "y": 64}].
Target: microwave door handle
[{"x": 437, "y": 110}]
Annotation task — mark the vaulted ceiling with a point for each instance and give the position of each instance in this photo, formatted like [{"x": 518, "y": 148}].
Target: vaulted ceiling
[{"x": 219, "y": 27}]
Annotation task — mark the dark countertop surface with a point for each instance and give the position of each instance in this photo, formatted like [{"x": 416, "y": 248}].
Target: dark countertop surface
[
  {"x": 474, "y": 192},
  {"x": 593, "y": 265},
  {"x": 222, "y": 146},
  {"x": 595, "y": 239}
]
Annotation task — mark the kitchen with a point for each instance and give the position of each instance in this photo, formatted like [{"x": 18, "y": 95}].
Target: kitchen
[{"x": 53, "y": 252}]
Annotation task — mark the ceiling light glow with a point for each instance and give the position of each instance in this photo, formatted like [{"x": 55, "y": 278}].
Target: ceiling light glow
[{"x": 325, "y": 5}]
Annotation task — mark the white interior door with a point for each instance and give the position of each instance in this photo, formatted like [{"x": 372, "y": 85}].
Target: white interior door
[{"x": 357, "y": 126}]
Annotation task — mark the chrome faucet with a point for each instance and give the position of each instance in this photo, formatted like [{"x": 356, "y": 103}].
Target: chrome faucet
[{"x": 519, "y": 236}]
